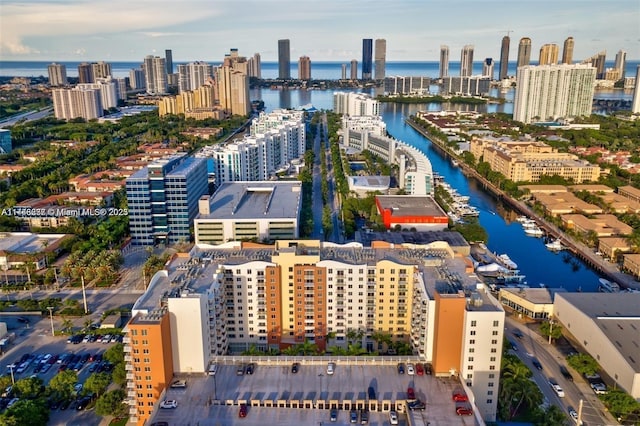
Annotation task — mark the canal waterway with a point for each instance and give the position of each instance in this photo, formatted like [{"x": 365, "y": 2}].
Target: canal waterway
[{"x": 539, "y": 265}]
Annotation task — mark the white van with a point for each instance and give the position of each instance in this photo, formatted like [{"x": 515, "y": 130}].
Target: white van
[{"x": 212, "y": 369}]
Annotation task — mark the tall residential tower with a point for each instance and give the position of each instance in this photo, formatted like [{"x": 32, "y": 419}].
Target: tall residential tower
[
  {"x": 284, "y": 59},
  {"x": 380, "y": 58},
  {"x": 567, "y": 51},
  {"x": 367, "y": 53},
  {"x": 504, "y": 58},
  {"x": 304, "y": 68},
  {"x": 444, "y": 61},
  {"x": 57, "y": 75},
  {"x": 524, "y": 52},
  {"x": 466, "y": 61},
  {"x": 548, "y": 54}
]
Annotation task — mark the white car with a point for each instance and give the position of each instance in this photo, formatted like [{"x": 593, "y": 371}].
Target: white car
[
  {"x": 393, "y": 417},
  {"x": 599, "y": 388},
  {"x": 331, "y": 367},
  {"x": 557, "y": 389},
  {"x": 574, "y": 416},
  {"x": 169, "y": 403},
  {"x": 411, "y": 369}
]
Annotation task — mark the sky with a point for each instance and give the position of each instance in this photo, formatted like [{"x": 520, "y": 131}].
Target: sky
[{"x": 324, "y": 30}]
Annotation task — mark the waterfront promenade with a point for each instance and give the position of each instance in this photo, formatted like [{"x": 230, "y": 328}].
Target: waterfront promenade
[{"x": 584, "y": 253}]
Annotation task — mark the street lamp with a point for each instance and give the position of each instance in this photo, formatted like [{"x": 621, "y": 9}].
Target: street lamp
[
  {"x": 84, "y": 294},
  {"x": 13, "y": 380},
  {"x": 50, "y": 308},
  {"x": 550, "y": 329}
]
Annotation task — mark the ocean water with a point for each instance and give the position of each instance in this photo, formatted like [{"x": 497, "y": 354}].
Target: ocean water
[{"x": 319, "y": 70}]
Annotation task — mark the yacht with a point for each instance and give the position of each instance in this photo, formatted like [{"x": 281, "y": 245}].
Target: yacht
[
  {"x": 533, "y": 231},
  {"x": 555, "y": 245},
  {"x": 607, "y": 286},
  {"x": 506, "y": 261}
]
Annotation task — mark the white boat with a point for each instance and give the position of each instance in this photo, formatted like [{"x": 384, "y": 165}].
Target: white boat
[
  {"x": 454, "y": 163},
  {"x": 555, "y": 245},
  {"x": 491, "y": 267},
  {"x": 506, "y": 261},
  {"x": 607, "y": 286},
  {"x": 522, "y": 219},
  {"x": 534, "y": 231}
]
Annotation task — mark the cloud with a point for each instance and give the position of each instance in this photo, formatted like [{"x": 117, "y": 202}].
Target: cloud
[{"x": 160, "y": 34}]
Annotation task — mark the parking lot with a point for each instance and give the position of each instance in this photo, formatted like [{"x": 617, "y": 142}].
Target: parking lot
[
  {"x": 34, "y": 339},
  {"x": 275, "y": 394}
]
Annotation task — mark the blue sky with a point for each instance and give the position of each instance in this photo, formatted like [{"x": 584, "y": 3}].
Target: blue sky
[{"x": 325, "y": 30}]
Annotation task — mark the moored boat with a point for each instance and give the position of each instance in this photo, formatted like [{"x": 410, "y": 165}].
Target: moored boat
[
  {"x": 555, "y": 245},
  {"x": 533, "y": 231},
  {"x": 607, "y": 286}
]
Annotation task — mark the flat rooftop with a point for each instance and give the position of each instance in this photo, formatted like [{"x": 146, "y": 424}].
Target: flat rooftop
[
  {"x": 538, "y": 296},
  {"x": 27, "y": 242},
  {"x": 617, "y": 315},
  {"x": 255, "y": 200},
  {"x": 454, "y": 239},
  {"x": 410, "y": 205}
]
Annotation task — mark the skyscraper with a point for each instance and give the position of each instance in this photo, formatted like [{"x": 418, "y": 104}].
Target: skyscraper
[
  {"x": 193, "y": 75},
  {"x": 549, "y": 92},
  {"x": 85, "y": 73},
  {"x": 100, "y": 69},
  {"x": 57, "y": 75},
  {"x": 354, "y": 69},
  {"x": 524, "y": 51},
  {"x": 304, "y": 68},
  {"x": 344, "y": 71},
  {"x": 233, "y": 84},
  {"x": 380, "y": 58},
  {"x": 155, "y": 75},
  {"x": 168, "y": 60},
  {"x": 635, "y": 104},
  {"x": 284, "y": 60},
  {"x": 504, "y": 58},
  {"x": 254, "y": 65},
  {"x": 5, "y": 141},
  {"x": 567, "y": 51},
  {"x": 487, "y": 68},
  {"x": 444, "y": 61},
  {"x": 77, "y": 102},
  {"x": 621, "y": 62},
  {"x": 548, "y": 54},
  {"x": 466, "y": 61},
  {"x": 598, "y": 61},
  {"x": 136, "y": 79},
  {"x": 367, "y": 53}
]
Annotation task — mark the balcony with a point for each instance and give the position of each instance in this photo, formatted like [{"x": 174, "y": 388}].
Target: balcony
[
  {"x": 131, "y": 394},
  {"x": 128, "y": 367},
  {"x": 126, "y": 340},
  {"x": 128, "y": 358},
  {"x": 126, "y": 348},
  {"x": 130, "y": 376}
]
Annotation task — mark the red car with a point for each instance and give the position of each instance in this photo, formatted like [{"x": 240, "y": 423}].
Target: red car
[
  {"x": 460, "y": 397},
  {"x": 464, "y": 411},
  {"x": 411, "y": 394},
  {"x": 243, "y": 411},
  {"x": 419, "y": 369}
]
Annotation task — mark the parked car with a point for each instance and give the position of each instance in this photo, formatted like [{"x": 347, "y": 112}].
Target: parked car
[
  {"x": 178, "y": 384},
  {"x": 169, "y": 403},
  {"x": 411, "y": 394},
  {"x": 331, "y": 368},
  {"x": 333, "y": 415},
  {"x": 428, "y": 369},
  {"x": 464, "y": 411},
  {"x": 364, "y": 416},
  {"x": 295, "y": 367},
  {"x": 401, "y": 368},
  {"x": 411, "y": 370},
  {"x": 240, "y": 370},
  {"x": 599, "y": 388},
  {"x": 243, "y": 410},
  {"x": 251, "y": 368},
  {"x": 393, "y": 417},
  {"x": 416, "y": 405},
  {"x": 419, "y": 369},
  {"x": 574, "y": 415},
  {"x": 353, "y": 416},
  {"x": 82, "y": 403},
  {"x": 565, "y": 373},
  {"x": 460, "y": 397}
]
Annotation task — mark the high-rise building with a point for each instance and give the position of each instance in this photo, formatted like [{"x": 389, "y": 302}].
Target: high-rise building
[
  {"x": 163, "y": 199},
  {"x": 284, "y": 60},
  {"x": 304, "y": 68},
  {"x": 444, "y": 61},
  {"x": 168, "y": 60},
  {"x": 548, "y": 54},
  {"x": 351, "y": 103},
  {"x": 598, "y": 61},
  {"x": 233, "y": 84},
  {"x": 5, "y": 141},
  {"x": 621, "y": 63},
  {"x": 344, "y": 72},
  {"x": 136, "y": 79},
  {"x": 466, "y": 61},
  {"x": 155, "y": 75},
  {"x": 367, "y": 53},
  {"x": 149, "y": 335},
  {"x": 193, "y": 75},
  {"x": 77, "y": 102},
  {"x": 354, "y": 69},
  {"x": 380, "y": 58},
  {"x": 504, "y": 59},
  {"x": 635, "y": 104},
  {"x": 57, "y": 75},
  {"x": 108, "y": 91},
  {"x": 549, "y": 92},
  {"x": 487, "y": 68},
  {"x": 254, "y": 66},
  {"x": 100, "y": 69},
  {"x": 524, "y": 52},
  {"x": 85, "y": 73},
  {"x": 567, "y": 51}
]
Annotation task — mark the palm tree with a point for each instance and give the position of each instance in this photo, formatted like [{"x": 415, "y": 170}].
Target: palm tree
[
  {"x": 67, "y": 325},
  {"x": 88, "y": 323}
]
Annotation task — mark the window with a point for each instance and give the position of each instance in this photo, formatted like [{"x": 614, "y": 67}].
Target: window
[
  {"x": 490, "y": 384},
  {"x": 489, "y": 401},
  {"x": 470, "y": 359},
  {"x": 474, "y": 323},
  {"x": 492, "y": 367},
  {"x": 496, "y": 323},
  {"x": 494, "y": 333},
  {"x": 472, "y": 342},
  {"x": 494, "y": 342},
  {"x": 469, "y": 376},
  {"x": 492, "y": 376},
  {"x": 473, "y": 332}
]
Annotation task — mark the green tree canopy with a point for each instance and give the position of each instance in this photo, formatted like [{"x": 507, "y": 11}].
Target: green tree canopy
[
  {"x": 97, "y": 383},
  {"x": 583, "y": 363},
  {"x": 29, "y": 387},
  {"x": 546, "y": 328},
  {"x": 110, "y": 404},
  {"x": 31, "y": 412},
  {"x": 62, "y": 383},
  {"x": 115, "y": 354}
]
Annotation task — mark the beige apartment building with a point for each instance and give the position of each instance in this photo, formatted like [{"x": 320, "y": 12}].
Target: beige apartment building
[{"x": 527, "y": 161}]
